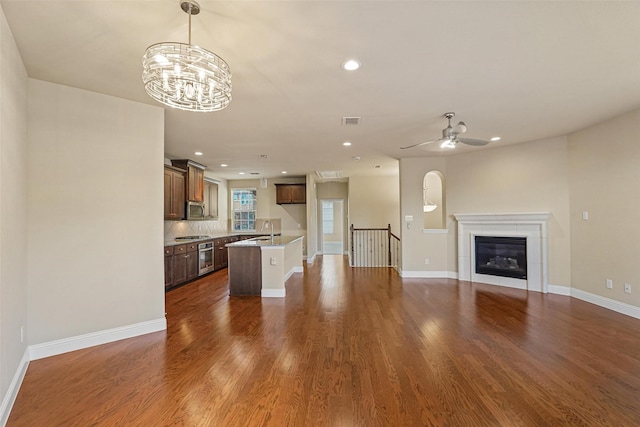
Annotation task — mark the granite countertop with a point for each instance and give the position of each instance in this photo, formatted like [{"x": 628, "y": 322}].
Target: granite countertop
[
  {"x": 210, "y": 237},
  {"x": 264, "y": 241}
]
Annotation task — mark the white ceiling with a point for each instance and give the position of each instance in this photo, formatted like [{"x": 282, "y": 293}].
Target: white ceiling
[{"x": 520, "y": 70}]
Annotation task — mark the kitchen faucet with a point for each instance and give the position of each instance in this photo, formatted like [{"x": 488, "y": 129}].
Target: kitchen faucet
[{"x": 266, "y": 221}]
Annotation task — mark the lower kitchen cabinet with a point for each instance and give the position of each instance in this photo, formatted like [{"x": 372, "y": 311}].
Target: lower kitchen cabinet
[
  {"x": 168, "y": 267},
  {"x": 182, "y": 265}
]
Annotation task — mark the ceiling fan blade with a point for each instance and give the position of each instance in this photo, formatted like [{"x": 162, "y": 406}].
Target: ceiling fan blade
[
  {"x": 418, "y": 144},
  {"x": 474, "y": 142}
]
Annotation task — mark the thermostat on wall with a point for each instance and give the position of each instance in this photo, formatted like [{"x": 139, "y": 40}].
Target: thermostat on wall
[{"x": 408, "y": 218}]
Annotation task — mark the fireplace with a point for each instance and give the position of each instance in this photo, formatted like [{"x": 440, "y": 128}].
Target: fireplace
[
  {"x": 501, "y": 256},
  {"x": 530, "y": 225}
]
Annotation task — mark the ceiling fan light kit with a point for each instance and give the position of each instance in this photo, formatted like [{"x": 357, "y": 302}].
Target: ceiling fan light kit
[
  {"x": 450, "y": 136},
  {"x": 186, "y": 76}
]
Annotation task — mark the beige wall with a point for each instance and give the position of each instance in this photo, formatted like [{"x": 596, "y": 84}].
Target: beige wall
[
  {"x": 374, "y": 202},
  {"x": 95, "y": 202},
  {"x": 416, "y": 245},
  {"x": 311, "y": 241},
  {"x": 529, "y": 177},
  {"x": 334, "y": 191},
  {"x": 604, "y": 174},
  {"x": 13, "y": 207}
]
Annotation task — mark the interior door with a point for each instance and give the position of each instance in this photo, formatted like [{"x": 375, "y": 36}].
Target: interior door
[{"x": 331, "y": 220}]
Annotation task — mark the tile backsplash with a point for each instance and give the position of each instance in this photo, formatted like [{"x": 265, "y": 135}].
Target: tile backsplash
[{"x": 173, "y": 229}]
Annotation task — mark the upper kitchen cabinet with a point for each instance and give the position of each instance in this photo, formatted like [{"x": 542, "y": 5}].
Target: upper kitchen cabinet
[
  {"x": 287, "y": 194},
  {"x": 174, "y": 186},
  {"x": 195, "y": 179}
]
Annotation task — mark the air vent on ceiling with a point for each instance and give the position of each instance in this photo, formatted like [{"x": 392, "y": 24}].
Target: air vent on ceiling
[
  {"x": 329, "y": 174},
  {"x": 351, "y": 121}
]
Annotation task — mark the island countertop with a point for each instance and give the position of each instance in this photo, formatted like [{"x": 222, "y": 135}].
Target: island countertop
[{"x": 265, "y": 241}]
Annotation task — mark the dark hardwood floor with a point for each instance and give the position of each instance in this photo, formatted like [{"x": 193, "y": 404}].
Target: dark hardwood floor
[{"x": 352, "y": 347}]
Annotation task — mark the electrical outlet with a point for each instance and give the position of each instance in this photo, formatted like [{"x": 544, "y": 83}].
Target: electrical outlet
[
  {"x": 627, "y": 288},
  {"x": 273, "y": 261},
  {"x": 609, "y": 284},
  {"x": 426, "y": 261}
]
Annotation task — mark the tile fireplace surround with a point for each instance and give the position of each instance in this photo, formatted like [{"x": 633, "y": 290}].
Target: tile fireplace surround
[{"x": 532, "y": 226}]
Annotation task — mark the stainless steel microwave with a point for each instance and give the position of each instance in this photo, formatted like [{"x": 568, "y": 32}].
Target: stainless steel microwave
[{"x": 195, "y": 210}]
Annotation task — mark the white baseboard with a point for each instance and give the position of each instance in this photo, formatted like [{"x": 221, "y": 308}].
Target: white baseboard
[
  {"x": 52, "y": 348},
  {"x": 297, "y": 269},
  {"x": 617, "y": 306},
  {"x": 273, "y": 293},
  {"x": 428, "y": 274},
  {"x": 558, "y": 290},
  {"x": 14, "y": 387},
  {"x": 312, "y": 259}
]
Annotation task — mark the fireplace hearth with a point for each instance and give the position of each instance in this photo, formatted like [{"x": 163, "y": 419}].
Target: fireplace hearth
[{"x": 501, "y": 256}]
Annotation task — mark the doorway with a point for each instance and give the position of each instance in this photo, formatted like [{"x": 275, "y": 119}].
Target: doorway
[{"x": 331, "y": 220}]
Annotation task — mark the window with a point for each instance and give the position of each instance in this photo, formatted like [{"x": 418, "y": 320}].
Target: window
[
  {"x": 244, "y": 209},
  {"x": 327, "y": 217}
]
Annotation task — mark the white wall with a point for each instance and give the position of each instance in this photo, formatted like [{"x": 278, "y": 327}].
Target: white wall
[
  {"x": 95, "y": 203},
  {"x": 13, "y": 207}
]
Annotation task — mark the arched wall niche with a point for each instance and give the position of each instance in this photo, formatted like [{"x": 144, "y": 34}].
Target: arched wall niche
[{"x": 433, "y": 198}]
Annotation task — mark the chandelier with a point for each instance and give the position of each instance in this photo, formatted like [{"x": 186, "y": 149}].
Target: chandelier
[{"x": 185, "y": 76}]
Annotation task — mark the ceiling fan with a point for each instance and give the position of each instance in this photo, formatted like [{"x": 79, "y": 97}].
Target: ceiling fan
[{"x": 450, "y": 136}]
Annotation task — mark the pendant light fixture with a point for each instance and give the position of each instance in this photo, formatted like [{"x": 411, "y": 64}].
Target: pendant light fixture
[{"x": 186, "y": 76}]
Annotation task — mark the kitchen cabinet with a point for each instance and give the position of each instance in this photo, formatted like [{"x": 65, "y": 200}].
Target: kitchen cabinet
[
  {"x": 168, "y": 267},
  {"x": 174, "y": 187},
  {"x": 291, "y": 194},
  {"x": 195, "y": 179},
  {"x": 184, "y": 264}
]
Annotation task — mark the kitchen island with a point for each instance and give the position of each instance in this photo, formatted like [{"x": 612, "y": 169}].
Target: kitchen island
[{"x": 262, "y": 265}]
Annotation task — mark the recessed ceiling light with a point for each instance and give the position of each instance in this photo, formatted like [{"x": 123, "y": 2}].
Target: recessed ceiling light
[
  {"x": 351, "y": 65},
  {"x": 346, "y": 144},
  {"x": 240, "y": 173},
  {"x": 495, "y": 138},
  {"x": 223, "y": 165},
  {"x": 284, "y": 172},
  {"x": 198, "y": 153},
  {"x": 377, "y": 166}
]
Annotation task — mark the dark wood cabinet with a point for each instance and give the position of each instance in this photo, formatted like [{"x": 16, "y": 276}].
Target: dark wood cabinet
[
  {"x": 174, "y": 187},
  {"x": 180, "y": 264},
  {"x": 245, "y": 271},
  {"x": 195, "y": 179},
  {"x": 168, "y": 267},
  {"x": 291, "y": 194}
]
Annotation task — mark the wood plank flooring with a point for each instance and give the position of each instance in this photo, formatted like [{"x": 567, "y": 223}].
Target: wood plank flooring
[{"x": 352, "y": 347}]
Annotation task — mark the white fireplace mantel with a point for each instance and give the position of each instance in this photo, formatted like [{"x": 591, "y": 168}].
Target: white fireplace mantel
[{"x": 531, "y": 225}]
